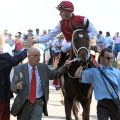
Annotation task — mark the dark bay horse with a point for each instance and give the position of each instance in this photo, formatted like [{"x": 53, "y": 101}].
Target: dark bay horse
[{"x": 72, "y": 89}]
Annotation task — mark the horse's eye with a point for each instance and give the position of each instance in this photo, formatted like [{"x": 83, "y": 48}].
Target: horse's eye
[{"x": 80, "y": 35}]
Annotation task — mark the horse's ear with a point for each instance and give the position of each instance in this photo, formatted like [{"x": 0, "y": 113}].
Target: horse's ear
[{"x": 86, "y": 25}]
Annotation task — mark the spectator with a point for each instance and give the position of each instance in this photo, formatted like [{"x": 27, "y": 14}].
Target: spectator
[
  {"x": 10, "y": 40},
  {"x": 94, "y": 49},
  {"x": 116, "y": 39},
  {"x": 18, "y": 44},
  {"x": 118, "y": 60},
  {"x": 37, "y": 35},
  {"x": 100, "y": 40},
  {"x": 108, "y": 42},
  {"x": 4, "y": 47},
  {"x": 5, "y": 34}
]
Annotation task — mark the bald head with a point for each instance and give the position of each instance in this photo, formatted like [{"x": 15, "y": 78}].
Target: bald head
[
  {"x": 33, "y": 50},
  {"x": 33, "y": 56}
]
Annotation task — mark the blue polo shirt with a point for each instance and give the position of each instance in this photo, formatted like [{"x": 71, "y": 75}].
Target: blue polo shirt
[{"x": 94, "y": 77}]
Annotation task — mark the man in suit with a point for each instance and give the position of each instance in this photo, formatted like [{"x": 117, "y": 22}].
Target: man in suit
[
  {"x": 22, "y": 84},
  {"x": 6, "y": 64}
]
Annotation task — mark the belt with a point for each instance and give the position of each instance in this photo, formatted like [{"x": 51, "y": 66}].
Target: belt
[
  {"x": 39, "y": 98},
  {"x": 105, "y": 99},
  {"x": 109, "y": 100},
  {"x": 117, "y": 44}
]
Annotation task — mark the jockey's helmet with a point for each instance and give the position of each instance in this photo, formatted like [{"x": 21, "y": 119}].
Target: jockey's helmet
[{"x": 66, "y": 5}]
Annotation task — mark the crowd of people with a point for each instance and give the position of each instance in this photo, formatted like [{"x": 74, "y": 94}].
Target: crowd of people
[
  {"x": 13, "y": 44},
  {"x": 50, "y": 44},
  {"x": 49, "y": 50},
  {"x": 108, "y": 41}
]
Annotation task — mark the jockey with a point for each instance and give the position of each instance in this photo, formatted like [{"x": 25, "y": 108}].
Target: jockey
[{"x": 67, "y": 25}]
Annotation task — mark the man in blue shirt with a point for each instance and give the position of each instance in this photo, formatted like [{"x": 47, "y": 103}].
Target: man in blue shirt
[{"x": 106, "y": 106}]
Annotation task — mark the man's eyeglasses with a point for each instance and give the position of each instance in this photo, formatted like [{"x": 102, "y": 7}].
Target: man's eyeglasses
[
  {"x": 34, "y": 55},
  {"x": 109, "y": 58}
]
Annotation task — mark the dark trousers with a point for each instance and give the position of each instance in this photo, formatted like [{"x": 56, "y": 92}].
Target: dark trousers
[
  {"x": 106, "y": 109},
  {"x": 4, "y": 110}
]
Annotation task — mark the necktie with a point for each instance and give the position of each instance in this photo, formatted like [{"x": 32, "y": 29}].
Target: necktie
[{"x": 32, "y": 95}]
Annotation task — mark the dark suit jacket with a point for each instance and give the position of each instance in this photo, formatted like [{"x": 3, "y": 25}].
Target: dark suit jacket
[
  {"x": 6, "y": 64},
  {"x": 21, "y": 74}
]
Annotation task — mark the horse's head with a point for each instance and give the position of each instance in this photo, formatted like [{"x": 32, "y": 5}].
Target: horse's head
[{"x": 80, "y": 45}]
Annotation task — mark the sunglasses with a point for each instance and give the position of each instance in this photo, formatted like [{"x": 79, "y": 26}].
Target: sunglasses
[
  {"x": 109, "y": 58},
  {"x": 17, "y": 36}
]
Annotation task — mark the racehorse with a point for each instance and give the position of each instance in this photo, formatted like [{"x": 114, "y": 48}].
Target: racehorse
[{"x": 72, "y": 89}]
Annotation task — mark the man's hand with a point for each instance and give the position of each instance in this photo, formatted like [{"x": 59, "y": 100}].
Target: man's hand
[
  {"x": 28, "y": 43},
  {"x": 67, "y": 64},
  {"x": 19, "y": 86}
]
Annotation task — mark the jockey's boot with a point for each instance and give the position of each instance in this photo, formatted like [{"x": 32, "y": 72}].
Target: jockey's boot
[{"x": 62, "y": 59}]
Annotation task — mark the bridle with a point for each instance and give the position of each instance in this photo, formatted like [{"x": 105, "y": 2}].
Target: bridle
[{"x": 76, "y": 51}]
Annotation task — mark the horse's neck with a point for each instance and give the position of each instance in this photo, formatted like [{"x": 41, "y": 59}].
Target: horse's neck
[{"x": 73, "y": 67}]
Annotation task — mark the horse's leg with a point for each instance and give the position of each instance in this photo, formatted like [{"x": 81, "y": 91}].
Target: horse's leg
[
  {"x": 62, "y": 89},
  {"x": 75, "y": 109},
  {"x": 62, "y": 97},
  {"x": 86, "y": 108},
  {"x": 67, "y": 102},
  {"x": 68, "y": 107}
]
